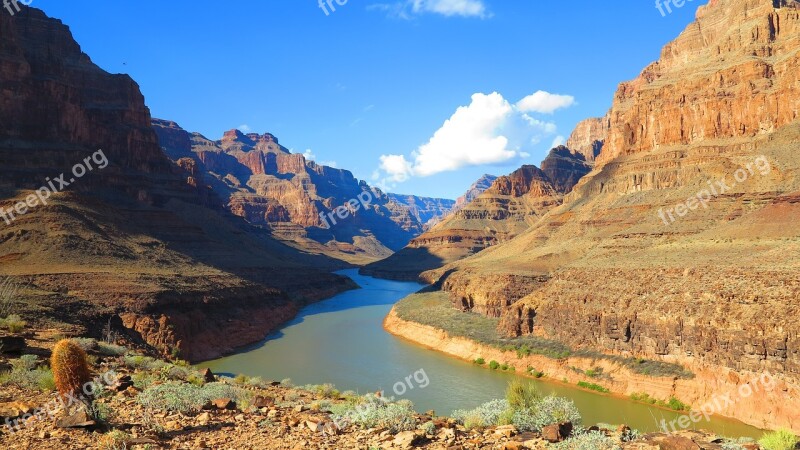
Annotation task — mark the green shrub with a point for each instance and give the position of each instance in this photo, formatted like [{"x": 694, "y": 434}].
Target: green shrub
[
  {"x": 13, "y": 323},
  {"x": 494, "y": 365},
  {"x": 429, "y": 428},
  {"x": 326, "y": 390},
  {"x": 504, "y": 367},
  {"x": 473, "y": 421},
  {"x": 115, "y": 440},
  {"x": 488, "y": 414},
  {"x": 677, "y": 405},
  {"x": 186, "y": 398},
  {"x": 87, "y": 344},
  {"x": 26, "y": 374},
  {"x": 592, "y": 440},
  {"x": 377, "y": 412},
  {"x": 108, "y": 349},
  {"x": 779, "y": 440},
  {"x": 597, "y": 372},
  {"x": 549, "y": 410},
  {"x": 672, "y": 403},
  {"x": 522, "y": 395},
  {"x": 593, "y": 387},
  {"x": 480, "y": 361}
]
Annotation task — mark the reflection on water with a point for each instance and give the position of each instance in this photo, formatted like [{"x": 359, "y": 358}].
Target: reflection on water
[{"x": 342, "y": 341}]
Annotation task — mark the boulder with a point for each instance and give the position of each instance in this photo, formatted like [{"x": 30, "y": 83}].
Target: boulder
[{"x": 557, "y": 432}]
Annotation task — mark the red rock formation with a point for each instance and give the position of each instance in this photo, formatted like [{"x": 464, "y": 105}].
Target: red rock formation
[
  {"x": 589, "y": 137},
  {"x": 131, "y": 239},
  {"x": 269, "y": 186},
  {"x": 715, "y": 290}
]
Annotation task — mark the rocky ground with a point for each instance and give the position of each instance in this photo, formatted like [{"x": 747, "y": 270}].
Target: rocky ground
[{"x": 146, "y": 403}]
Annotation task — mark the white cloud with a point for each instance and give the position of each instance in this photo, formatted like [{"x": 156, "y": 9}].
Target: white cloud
[
  {"x": 489, "y": 130},
  {"x": 396, "y": 167},
  {"x": 310, "y": 156},
  {"x": 463, "y": 8},
  {"x": 244, "y": 128},
  {"x": 545, "y": 102},
  {"x": 407, "y": 9},
  {"x": 559, "y": 140}
]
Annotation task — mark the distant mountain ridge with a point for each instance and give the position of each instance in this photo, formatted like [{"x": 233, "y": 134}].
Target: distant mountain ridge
[
  {"x": 261, "y": 181},
  {"x": 136, "y": 243},
  {"x": 427, "y": 210},
  {"x": 500, "y": 208}
]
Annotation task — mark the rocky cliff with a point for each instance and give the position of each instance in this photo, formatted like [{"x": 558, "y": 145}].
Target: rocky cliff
[
  {"x": 682, "y": 244},
  {"x": 428, "y": 211},
  {"x": 506, "y": 208},
  {"x": 296, "y": 200},
  {"x": 477, "y": 188},
  {"x": 135, "y": 240}
]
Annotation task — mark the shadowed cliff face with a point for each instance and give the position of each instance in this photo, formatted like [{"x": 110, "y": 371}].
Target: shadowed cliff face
[
  {"x": 133, "y": 241},
  {"x": 507, "y": 207},
  {"x": 262, "y": 182},
  {"x": 633, "y": 262}
]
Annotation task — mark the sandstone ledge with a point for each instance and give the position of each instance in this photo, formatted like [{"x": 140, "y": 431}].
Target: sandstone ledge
[{"x": 763, "y": 410}]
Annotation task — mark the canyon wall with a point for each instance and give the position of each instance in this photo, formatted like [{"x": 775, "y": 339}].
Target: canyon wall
[
  {"x": 296, "y": 200},
  {"x": 682, "y": 243},
  {"x": 140, "y": 241}
]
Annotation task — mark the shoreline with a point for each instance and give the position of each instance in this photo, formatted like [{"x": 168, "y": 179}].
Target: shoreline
[{"x": 760, "y": 411}]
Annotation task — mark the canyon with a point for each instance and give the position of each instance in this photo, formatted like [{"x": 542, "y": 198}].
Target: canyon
[
  {"x": 139, "y": 244},
  {"x": 495, "y": 210},
  {"x": 716, "y": 290},
  {"x": 262, "y": 182}
]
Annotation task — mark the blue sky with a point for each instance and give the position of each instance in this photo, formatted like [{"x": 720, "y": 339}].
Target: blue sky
[{"x": 370, "y": 85}]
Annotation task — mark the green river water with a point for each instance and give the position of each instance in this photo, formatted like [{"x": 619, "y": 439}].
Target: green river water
[{"x": 341, "y": 341}]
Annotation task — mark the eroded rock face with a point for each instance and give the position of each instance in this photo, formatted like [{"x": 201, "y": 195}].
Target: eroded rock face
[
  {"x": 267, "y": 185},
  {"x": 506, "y": 208},
  {"x": 615, "y": 268},
  {"x": 477, "y": 188},
  {"x": 428, "y": 211},
  {"x": 142, "y": 236},
  {"x": 588, "y": 137},
  {"x": 731, "y": 74}
]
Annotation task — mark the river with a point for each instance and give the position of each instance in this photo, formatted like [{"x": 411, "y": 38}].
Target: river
[{"x": 342, "y": 341}]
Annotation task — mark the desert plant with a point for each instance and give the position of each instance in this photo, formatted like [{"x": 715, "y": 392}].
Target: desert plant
[
  {"x": 26, "y": 374},
  {"x": 487, "y": 414},
  {"x": 184, "y": 398},
  {"x": 522, "y": 395},
  {"x": 13, "y": 323},
  {"x": 591, "y": 440},
  {"x": 87, "y": 344},
  {"x": 779, "y": 440},
  {"x": 593, "y": 387},
  {"x": 115, "y": 440},
  {"x": 107, "y": 349},
  {"x": 494, "y": 365},
  {"x": 376, "y": 412},
  {"x": 480, "y": 361},
  {"x": 70, "y": 369}
]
